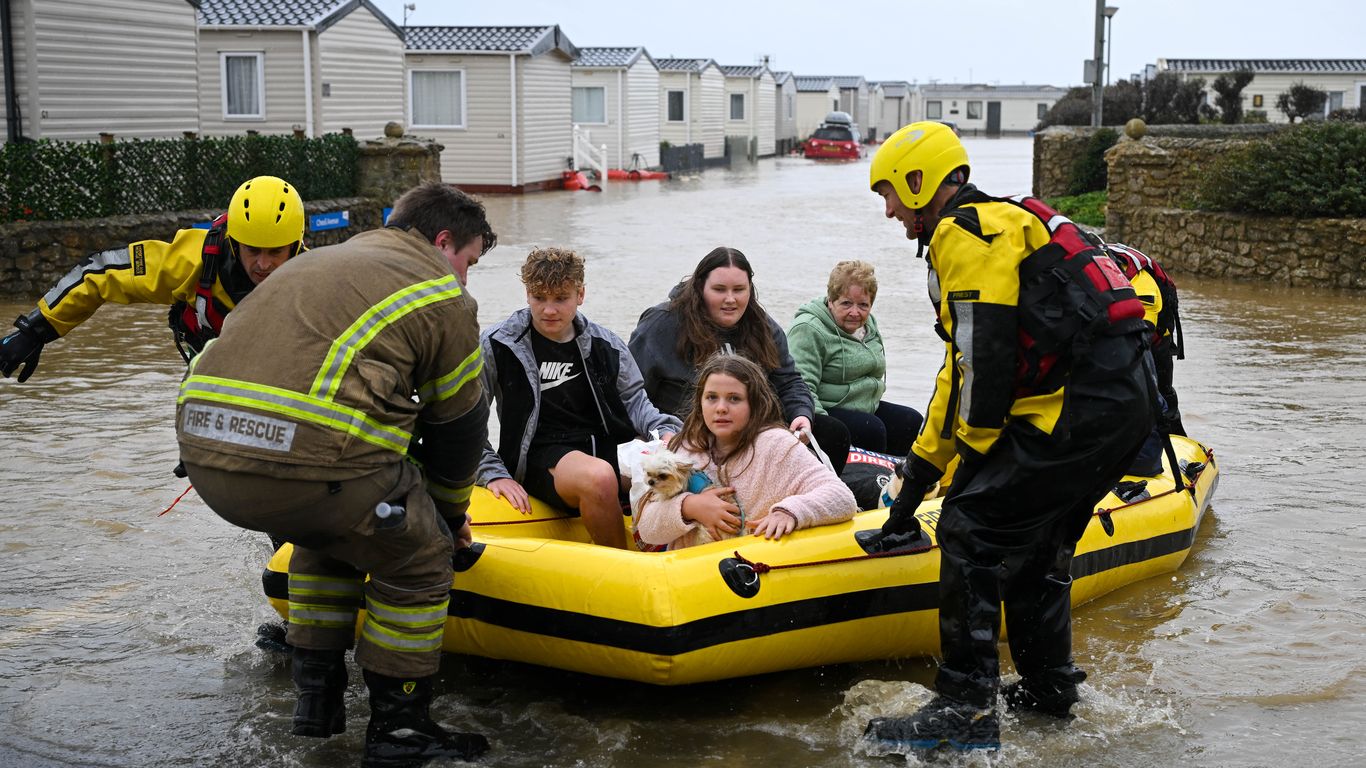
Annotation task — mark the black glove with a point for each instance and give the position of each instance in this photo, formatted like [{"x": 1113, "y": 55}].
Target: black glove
[
  {"x": 901, "y": 518},
  {"x": 24, "y": 346}
]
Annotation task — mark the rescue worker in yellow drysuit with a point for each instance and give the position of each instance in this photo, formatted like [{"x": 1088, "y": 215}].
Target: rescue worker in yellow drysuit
[
  {"x": 1043, "y": 399},
  {"x": 297, "y": 421},
  {"x": 201, "y": 274}
]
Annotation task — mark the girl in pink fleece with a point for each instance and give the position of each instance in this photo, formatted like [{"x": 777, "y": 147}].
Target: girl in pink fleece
[{"x": 767, "y": 482}]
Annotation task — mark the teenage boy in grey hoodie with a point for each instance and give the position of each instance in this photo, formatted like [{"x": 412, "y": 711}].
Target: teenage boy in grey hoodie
[{"x": 567, "y": 392}]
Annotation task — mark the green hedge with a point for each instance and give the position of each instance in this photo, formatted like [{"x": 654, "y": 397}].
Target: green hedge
[
  {"x": 54, "y": 180},
  {"x": 1316, "y": 169},
  {"x": 1090, "y": 173},
  {"x": 1086, "y": 209}
]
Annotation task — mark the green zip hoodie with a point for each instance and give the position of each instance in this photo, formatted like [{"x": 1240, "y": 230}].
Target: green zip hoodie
[{"x": 840, "y": 370}]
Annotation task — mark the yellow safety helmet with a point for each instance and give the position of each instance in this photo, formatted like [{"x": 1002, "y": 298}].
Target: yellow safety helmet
[
  {"x": 266, "y": 212},
  {"x": 927, "y": 146}
]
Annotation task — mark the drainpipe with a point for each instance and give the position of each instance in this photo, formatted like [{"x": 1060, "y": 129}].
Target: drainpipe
[
  {"x": 687, "y": 97},
  {"x": 308, "y": 86},
  {"x": 512, "y": 84},
  {"x": 13, "y": 119},
  {"x": 621, "y": 97}
]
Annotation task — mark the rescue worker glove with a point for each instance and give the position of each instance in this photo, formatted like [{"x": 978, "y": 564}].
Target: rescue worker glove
[
  {"x": 901, "y": 518},
  {"x": 25, "y": 346}
]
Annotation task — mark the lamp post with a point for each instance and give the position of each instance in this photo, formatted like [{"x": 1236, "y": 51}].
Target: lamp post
[
  {"x": 406, "y": 8},
  {"x": 1110, "y": 12},
  {"x": 1097, "y": 82}
]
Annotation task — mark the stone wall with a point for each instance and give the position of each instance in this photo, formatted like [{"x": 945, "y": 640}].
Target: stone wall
[
  {"x": 1326, "y": 253},
  {"x": 1057, "y": 149},
  {"x": 35, "y": 254},
  {"x": 1152, "y": 185}
]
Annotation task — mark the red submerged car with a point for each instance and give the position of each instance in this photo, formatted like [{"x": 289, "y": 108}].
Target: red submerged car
[{"x": 836, "y": 138}]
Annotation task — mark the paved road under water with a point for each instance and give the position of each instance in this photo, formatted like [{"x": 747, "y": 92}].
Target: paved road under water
[{"x": 125, "y": 638}]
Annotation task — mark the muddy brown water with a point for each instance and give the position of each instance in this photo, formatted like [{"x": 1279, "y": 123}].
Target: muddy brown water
[{"x": 125, "y": 637}]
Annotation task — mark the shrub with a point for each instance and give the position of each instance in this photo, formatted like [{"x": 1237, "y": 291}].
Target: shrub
[
  {"x": 1357, "y": 115},
  {"x": 1088, "y": 209},
  {"x": 1317, "y": 169},
  {"x": 1301, "y": 101},
  {"x": 1230, "y": 87},
  {"x": 49, "y": 180},
  {"x": 1090, "y": 172}
]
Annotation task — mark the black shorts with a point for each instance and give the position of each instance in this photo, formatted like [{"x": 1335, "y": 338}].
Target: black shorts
[{"x": 542, "y": 457}]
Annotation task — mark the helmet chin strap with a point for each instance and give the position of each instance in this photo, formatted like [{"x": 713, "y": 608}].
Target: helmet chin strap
[{"x": 922, "y": 237}]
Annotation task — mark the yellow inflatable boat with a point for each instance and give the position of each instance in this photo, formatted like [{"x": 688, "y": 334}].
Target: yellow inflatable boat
[{"x": 532, "y": 589}]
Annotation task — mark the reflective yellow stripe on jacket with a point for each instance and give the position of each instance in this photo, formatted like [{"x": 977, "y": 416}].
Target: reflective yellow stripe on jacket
[
  {"x": 317, "y": 406},
  {"x": 374, "y": 320}
]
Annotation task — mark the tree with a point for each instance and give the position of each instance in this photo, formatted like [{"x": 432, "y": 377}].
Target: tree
[
  {"x": 1169, "y": 100},
  {"x": 1301, "y": 101},
  {"x": 1229, "y": 87}
]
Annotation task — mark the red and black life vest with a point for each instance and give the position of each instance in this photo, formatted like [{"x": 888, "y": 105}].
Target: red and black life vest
[
  {"x": 1070, "y": 293},
  {"x": 1132, "y": 261},
  {"x": 196, "y": 324}
]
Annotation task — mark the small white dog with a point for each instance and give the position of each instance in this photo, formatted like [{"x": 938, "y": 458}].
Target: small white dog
[{"x": 668, "y": 474}]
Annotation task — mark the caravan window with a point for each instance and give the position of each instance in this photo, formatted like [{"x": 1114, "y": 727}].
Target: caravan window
[
  {"x": 244, "y": 85},
  {"x": 590, "y": 105},
  {"x": 677, "y": 113},
  {"x": 438, "y": 98}
]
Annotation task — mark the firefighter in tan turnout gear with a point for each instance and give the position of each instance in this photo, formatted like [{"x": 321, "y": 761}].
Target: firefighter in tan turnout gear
[
  {"x": 201, "y": 274},
  {"x": 297, "y": 421}
]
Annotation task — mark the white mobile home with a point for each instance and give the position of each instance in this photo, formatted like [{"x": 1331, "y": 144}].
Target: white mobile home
[
  {"x": 870, "y": 131},
  {"x": 76, "y": 69},
  {"x": 785, "y": 105},
  {"x": 990, "y": 110},
  {"x": 498, "y": 98},
  {"x": 315, "y": 66},
  {"x": 1343, "y": 79},
  {"x": 895, "y": 107},
  {"x": 616, "y": 98},
  {"x": 749, "y": 106},
  {"x": 817, "y": 96},
  {"x": 690, "y": 104},
  {"x": 854, "y": 100}
]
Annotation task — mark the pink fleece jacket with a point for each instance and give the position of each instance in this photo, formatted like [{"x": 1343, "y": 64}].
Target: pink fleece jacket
[{"x": 778, "y": 471}]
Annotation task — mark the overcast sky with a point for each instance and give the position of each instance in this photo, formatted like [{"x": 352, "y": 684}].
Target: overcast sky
[{"x": 991, "y": 41}]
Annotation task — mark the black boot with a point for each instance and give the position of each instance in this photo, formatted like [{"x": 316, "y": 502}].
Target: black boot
[
  {"x": 1053, "y": 697},
  {"x": 320, "y": 677},
  {"x": 401, "y": 732},
  {"x": 942, "y": 722}
]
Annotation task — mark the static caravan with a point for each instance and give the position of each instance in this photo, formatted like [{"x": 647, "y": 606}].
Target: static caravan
[
  {"x": 989, "y": 110},
  {"x": 298, "y": 65},
  {"x": 79, "y": 68},
  {"x": 749, "y": 105},
  {"x": 616, "y": 99},
  {"x": 870, "y": 132},
  {"x": 1344, "y": 80},
  {"x": 785, "y": 106},
  {"x": 498, "y": 98},
  {"x": 854, "y": 100},
  {"x": 691, "y": 98},
  {"x": 817, "y": 96},
  {"x": 895, "y": 108}
]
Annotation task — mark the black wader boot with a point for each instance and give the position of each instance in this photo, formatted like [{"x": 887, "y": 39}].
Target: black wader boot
[
  {"x": 401, "y": 732},
  {"x": 943, "y": 722},
  {"x": 320, "y": 677}
]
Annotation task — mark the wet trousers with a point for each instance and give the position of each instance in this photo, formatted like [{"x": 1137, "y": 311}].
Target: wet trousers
[
  {"x": 1010, "y": 524},
  {"x": 337, "y": 541}
]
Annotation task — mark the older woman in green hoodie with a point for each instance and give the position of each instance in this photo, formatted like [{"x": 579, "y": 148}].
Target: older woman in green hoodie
[{"x": 839, "y": 354}]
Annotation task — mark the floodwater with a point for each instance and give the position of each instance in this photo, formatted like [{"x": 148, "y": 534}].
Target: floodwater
[{"x": 126, "y": 637}]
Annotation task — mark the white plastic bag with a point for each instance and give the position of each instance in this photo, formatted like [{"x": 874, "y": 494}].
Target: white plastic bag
[{"x": 630, "y": 459}]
